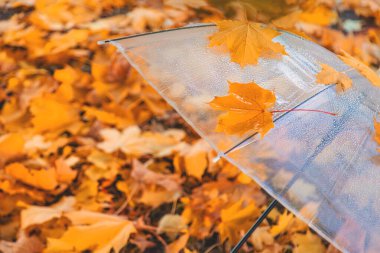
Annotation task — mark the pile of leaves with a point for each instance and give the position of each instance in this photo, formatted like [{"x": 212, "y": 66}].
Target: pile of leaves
[{"x": 92, "y": 159}]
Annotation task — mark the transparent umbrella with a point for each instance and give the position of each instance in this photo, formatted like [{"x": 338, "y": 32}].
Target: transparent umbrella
[{"x": 324, "y": 169}]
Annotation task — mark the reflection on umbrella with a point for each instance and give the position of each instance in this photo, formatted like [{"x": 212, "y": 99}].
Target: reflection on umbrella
[{"x": 322, "y": 168}]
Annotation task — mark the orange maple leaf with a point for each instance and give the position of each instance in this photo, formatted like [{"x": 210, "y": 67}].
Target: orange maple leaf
[
  {"x": 247, "y": 109},
  {"x": 44, "y": 179},
  {"x": 328, "y": 75},
  {"x": 247, "y": 41},
  {"x": 361, "y": 67},
  {"x": 377, "y": 132}
]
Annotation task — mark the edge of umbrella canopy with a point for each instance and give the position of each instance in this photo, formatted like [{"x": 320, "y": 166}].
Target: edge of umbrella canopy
[{"x": 247, "y": 141}]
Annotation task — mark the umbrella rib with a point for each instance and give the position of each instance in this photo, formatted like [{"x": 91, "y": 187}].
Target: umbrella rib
[
  {"x": 101, "y": 42},
  {"x": 276, "y": 119},
  {"x": 258, "y": 222},
  {"x": 320, "y": 147}
]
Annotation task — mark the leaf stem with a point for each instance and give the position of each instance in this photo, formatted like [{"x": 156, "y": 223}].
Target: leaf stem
[{"x": 305, "y": 110}]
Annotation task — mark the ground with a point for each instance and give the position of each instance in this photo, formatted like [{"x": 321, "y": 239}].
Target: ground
[{"x": 89, "y": 150}]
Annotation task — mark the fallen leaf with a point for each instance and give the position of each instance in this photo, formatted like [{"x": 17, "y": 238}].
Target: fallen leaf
[
  {"x": 40, "y": 214},
  {"x": 247, "y": 41},
  {"x": 172, "y": 225},
  {"x": 262, "y": 238},
  {"x": 366, "y": 71},
  {"x": 106, "y": 117},
  {"x": 100, "y": 237},
  {"x": 142, "y": 242},
  {"x": 285, "y": 220},
  {"x": 247, "y": 107},
  {"x": 236, "y": 218},
  {"x": 99, "y": 232},
  {"x": 61, "y": 15},
  {"x": 11, "y": 146},
  {"x": 178, "y": 245},
  {"x": 142, "y": 174},
  {"x": 275, "y": 248},
  {"x": 7, "y": 63},
  {"x": 105, "y": 166},
  {"x": 142, "y": 18},
  {"x": 134, "y": 142},
  {"x": 64, "y": 172},
  {"x": 49, "y": 114},
  {"x": 328, "y": 76},
  {"x": 90, "y": 196},
  {"x": 182, "y": 5},
  {"x": 156, "y": 197},
  {"x": 194, "y": 159},
  {"x": 23, "y": 244},
  {"x": 44, "y": 179},
  {"x": 320, "y": 15},
  {"x": 308, "y": 242},
  {"x": 37, "y": 142}
]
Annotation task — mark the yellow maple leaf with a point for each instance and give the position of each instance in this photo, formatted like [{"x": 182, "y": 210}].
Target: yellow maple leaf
[
  {"x": 320, "y": 15},
  {"x": 105, "y": 167},
  {"x": 247, "y": 41},
  {"x": 51, "y": 114},
  {"x": 328, "y": 75},
  {"x": 284, "y": 221},
  {"x": 194, "y": 159},
  {"x": 89, "y": 196},
  {"x": 101, "y": 237},
  {"x": 247, "y": 107},
  {"x": 11, "y": 146},
  {"x": 361, "y": 67},
  {"x": 236, "y": 218},
  {"x": 308, "y": 242},
  {"x": 64, "y": 173},
  {"x": 60, "y": 42},
  {"x": 44, "y": 179},
  {"x": 106, "y": 117},
  {"x": 89, "y": 230}
]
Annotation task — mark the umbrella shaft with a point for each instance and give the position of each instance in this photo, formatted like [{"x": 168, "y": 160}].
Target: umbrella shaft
[{"x": 255, "y": 226}]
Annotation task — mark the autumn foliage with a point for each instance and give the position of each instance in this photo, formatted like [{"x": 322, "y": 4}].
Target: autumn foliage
[
  {"x": 88, "y": 150},
  {"x": 247, "y": 41},
  {"x": 248, "y": 109}
]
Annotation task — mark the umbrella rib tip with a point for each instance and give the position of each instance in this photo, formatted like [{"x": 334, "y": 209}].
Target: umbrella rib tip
[
  {"x": 217, "y": 158},
  {"x": 102, "y": 42}
]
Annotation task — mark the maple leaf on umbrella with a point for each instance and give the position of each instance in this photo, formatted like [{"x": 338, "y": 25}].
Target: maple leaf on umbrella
[
  {"x": 328, "y": 75},
  {"x": 377, "y": 132},
  {"x": 247, "y": 41},
  {"x": 247, "y": 107}
]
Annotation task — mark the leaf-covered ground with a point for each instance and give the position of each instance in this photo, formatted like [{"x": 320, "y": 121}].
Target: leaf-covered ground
[{"x": 92, "y": 159}]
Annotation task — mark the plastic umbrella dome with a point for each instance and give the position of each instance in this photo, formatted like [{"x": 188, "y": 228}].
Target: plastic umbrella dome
[{"x": 324, "y": 169}]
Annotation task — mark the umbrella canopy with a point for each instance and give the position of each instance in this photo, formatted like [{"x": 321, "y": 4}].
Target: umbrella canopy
[{"x": 323, "y": 168}]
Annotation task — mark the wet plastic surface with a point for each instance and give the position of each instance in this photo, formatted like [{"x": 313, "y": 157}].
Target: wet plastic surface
[{"x": 323, "y": 168}]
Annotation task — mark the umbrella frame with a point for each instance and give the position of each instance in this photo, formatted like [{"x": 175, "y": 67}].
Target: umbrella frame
[{"x": 274, "y": 202}]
